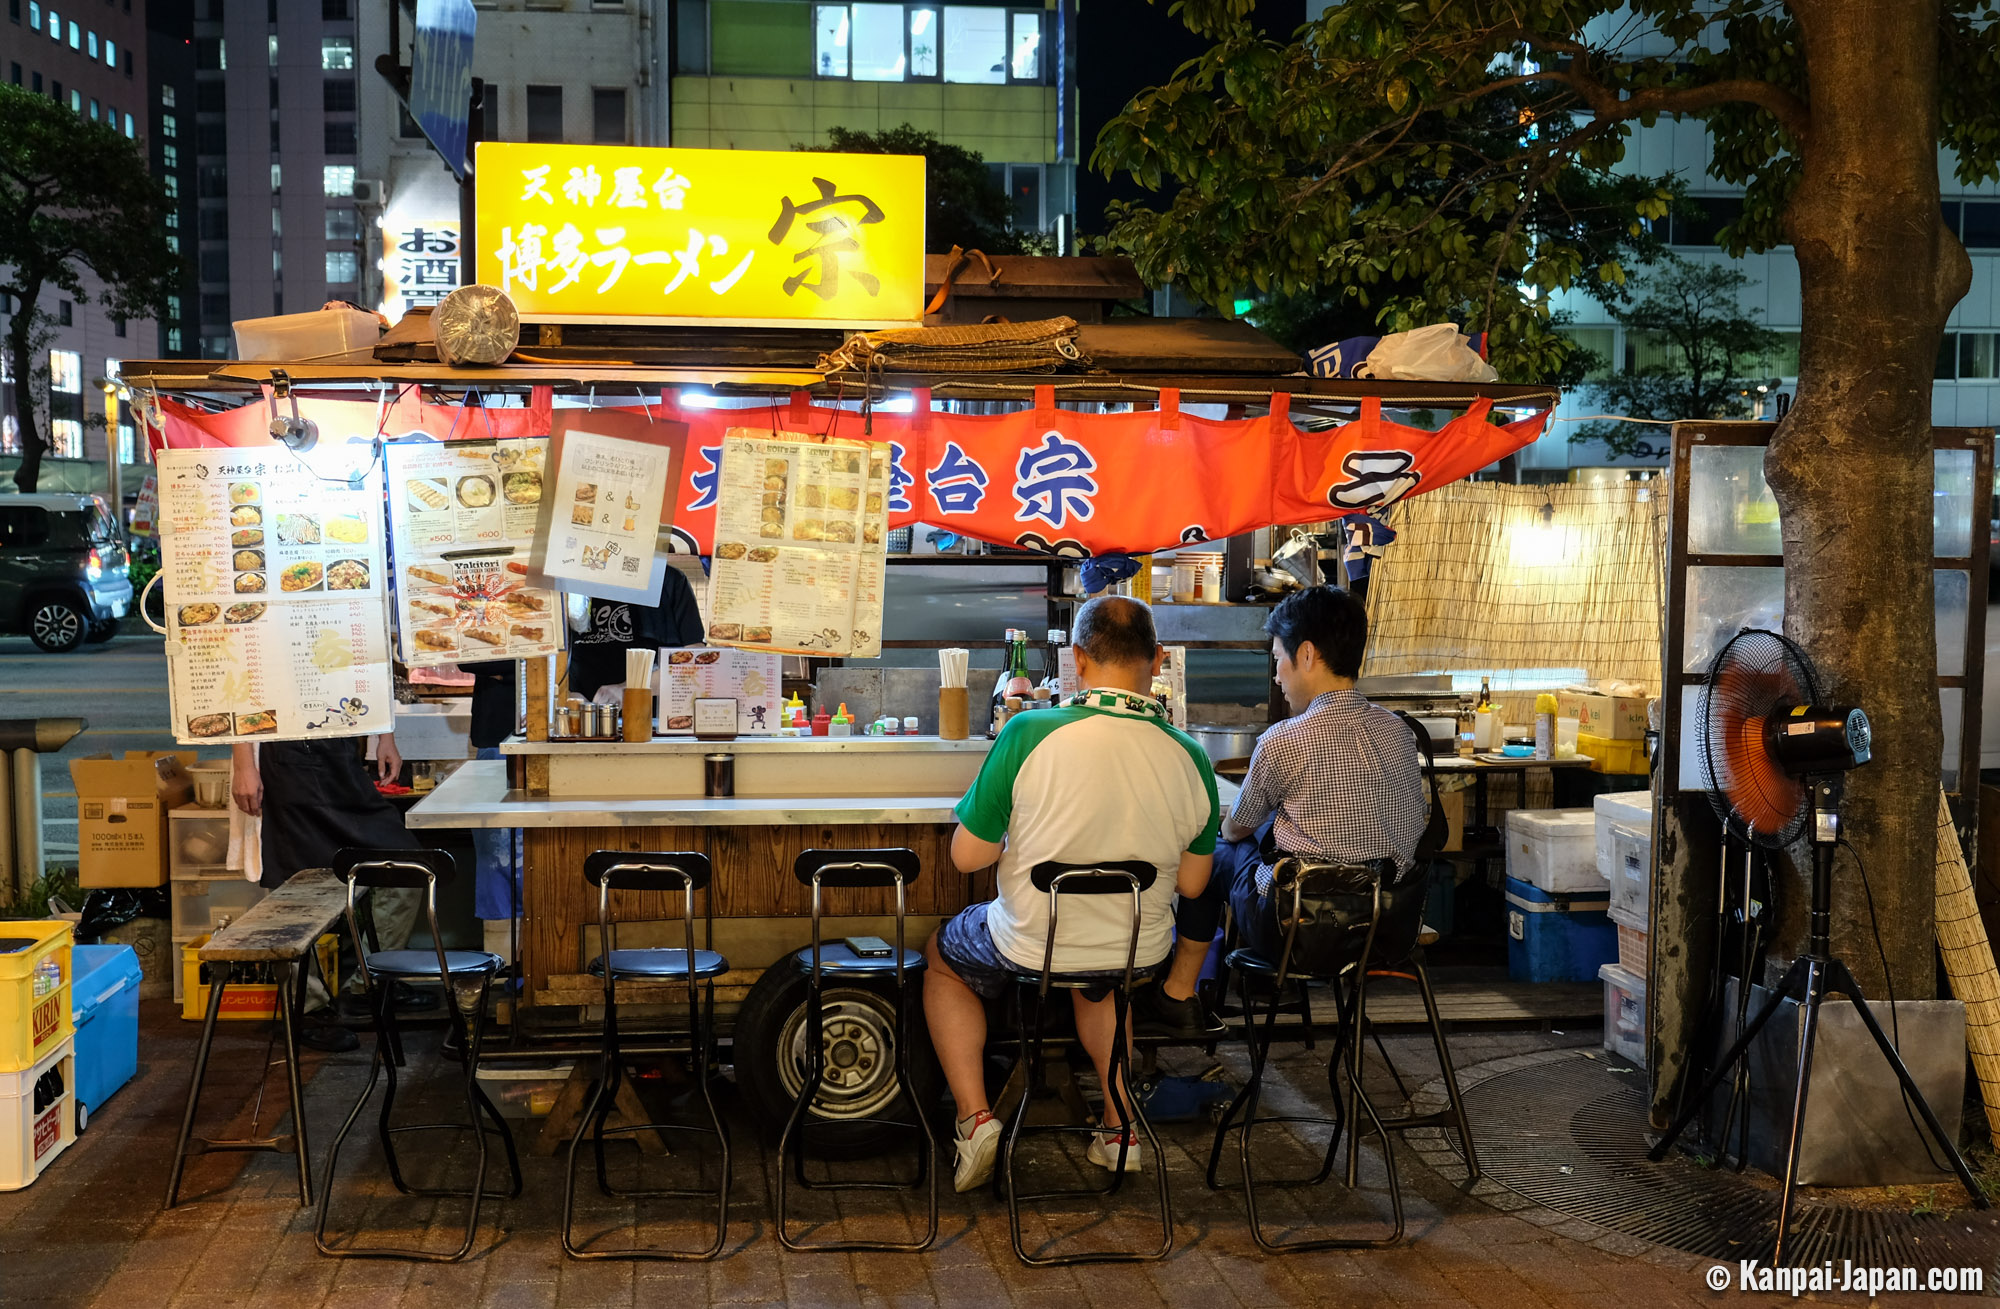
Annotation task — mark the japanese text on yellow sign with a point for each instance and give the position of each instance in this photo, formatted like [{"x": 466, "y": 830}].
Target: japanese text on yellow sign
[{"x": 625, "y": 232}]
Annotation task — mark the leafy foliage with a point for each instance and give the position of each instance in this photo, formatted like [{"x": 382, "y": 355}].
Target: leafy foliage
[
  {"x": 1456, "y": 159},
  {"x": 75, "y": 197},
  {"x": 962, "y": 206},
  {"x": 1691, "y": 309}
]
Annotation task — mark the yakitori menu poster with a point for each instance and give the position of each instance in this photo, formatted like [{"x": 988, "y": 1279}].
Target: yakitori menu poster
[
  {"x": 799, "y": 555},
  {"x": 462, "y": 520},
  {"x": 273, "y": 583}
]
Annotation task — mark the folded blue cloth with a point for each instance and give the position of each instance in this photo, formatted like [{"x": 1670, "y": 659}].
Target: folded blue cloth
[{"x": 1101, "y": 571}]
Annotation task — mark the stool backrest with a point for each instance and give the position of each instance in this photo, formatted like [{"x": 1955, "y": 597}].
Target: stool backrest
[
  {"x": 895, "y": 866},
  {"x": 1337, "y": 915},
  {"x": 682, "y": 871},
  {"x": 419, "y": 870},
  {"x": 1133, "y": 877}
]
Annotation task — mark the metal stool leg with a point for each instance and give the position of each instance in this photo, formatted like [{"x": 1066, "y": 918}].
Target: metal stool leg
[
  {"x": 194, "y": 1083},
  {"x": 1457, "y": 1105},
  {"x": 292, "y": 974}
]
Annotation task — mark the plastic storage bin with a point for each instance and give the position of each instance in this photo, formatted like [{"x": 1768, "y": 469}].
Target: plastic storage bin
[
  {"x": 1624, "y": 1013},
  {"x": 324, "y": 336},
  {"x": 200, "y": 904},
  {"x": 1625, "y": 758},
  {"x": 32, "y": 1025},
  {"x": 1554, "y": 937},
  {"x": 1554, "y": 850},
  {"x": 200, "y": 840},
  {"x": 31, "y": 1137},
  {"x": 105, "y": 999},
  {"x": 525, "y": 1090},
  {"x": 1630, "y": 810}
]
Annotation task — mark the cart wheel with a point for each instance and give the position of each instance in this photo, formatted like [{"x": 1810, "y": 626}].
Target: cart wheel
[
  {"x": 859, "y": 1039},
  {"x": 82, "y": 1117}
]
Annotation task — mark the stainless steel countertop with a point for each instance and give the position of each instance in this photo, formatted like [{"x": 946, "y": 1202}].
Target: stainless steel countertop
[
  {"x": 688, "y": 745},
  {"x": 477, "y": 795}
]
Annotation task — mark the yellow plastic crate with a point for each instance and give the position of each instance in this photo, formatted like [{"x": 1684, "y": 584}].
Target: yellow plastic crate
[
  {"x": 31, "y": 1027},
  {"x": 242, "y": 1000},
  {"x": 1609, "y": 756}
]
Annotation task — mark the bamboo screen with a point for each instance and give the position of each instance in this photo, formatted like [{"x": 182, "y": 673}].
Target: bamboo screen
[{"x": 1477, "y": 579}]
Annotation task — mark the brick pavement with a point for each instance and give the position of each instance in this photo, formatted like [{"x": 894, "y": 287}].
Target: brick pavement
[{"x": 91, "y": 1232}]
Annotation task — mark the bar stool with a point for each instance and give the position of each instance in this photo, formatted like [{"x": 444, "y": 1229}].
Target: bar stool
[
  {"x": 1353, "y": 948},
  {"x": 1131, "y": 877},
  {"x": 684, "y": 872},
  {"x": 466, "y": 976},
  {"x": 854, "y": 869}
]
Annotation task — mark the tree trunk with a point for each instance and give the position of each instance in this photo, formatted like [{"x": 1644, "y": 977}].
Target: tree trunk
[
  {"x": 1851, "y": 463},
  {"x": 21, "y": 359}
]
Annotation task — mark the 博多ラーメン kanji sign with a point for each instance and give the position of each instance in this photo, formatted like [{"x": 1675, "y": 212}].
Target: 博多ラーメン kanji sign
[{"x": 626, "y": 233}]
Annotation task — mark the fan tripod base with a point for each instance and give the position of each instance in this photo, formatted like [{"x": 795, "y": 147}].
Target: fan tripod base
[{"x": 1808, "y": 981}]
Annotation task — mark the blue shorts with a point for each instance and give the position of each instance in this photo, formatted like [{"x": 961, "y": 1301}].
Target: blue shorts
[{"x": 966, "y": 943}]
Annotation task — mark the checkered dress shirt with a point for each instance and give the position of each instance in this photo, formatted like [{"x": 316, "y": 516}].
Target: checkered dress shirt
[{"x": 1344, "y": 781}]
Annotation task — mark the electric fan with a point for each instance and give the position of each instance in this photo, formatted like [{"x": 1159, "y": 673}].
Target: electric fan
[{"x": 1776, "y": 755}]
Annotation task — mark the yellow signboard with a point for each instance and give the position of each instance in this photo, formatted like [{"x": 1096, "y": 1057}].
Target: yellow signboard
[{"x": 604, "y": 233}]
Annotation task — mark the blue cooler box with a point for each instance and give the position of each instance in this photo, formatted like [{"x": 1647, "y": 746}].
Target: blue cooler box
[
  {"x": 1558, "y": 936},
  {"x": 104, "y": 999}
]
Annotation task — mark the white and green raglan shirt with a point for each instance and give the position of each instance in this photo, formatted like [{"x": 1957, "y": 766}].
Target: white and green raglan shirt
[{"x": 1103, "y": 776}]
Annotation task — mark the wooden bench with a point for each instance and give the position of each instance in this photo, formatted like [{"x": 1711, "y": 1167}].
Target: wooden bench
[{"x": 279, "y": 931}]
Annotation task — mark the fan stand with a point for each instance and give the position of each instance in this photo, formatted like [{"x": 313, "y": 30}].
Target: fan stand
[{"x": 1808, "y": 981}]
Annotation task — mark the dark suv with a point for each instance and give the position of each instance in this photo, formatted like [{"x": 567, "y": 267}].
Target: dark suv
[{"x": 63, "y": 570}]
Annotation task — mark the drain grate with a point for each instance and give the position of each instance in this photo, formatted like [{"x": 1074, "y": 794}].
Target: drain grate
[{"x": 1584, "y": 1154}]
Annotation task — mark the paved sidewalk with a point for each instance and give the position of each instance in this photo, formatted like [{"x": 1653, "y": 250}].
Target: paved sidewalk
[{"x": 91, "y": 1232}]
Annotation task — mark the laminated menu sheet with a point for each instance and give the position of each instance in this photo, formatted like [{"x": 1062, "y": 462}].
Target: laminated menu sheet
[
  {"x": 462, "y": 517},
  {"x": 799, "y": 564},
  {"x": 608, "y": 497},
  {"x": 749, "y": 677},
  {"x": 273, "y": 581}
]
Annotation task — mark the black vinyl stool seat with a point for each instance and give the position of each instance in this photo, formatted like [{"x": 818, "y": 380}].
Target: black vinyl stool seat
[
  {"x": 675, "y": 872},
  {"x": 467, "y": 976},
  {"x": 893, "y": 868},
  {"x": 1344, "y": 954},
  {"x": 1133, "y": 878}
]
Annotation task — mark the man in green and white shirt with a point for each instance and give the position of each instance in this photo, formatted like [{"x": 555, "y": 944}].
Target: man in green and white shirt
[{"x": 1103, "y": 777}]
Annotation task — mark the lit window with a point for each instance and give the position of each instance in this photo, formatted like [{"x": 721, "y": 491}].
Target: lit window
[
  {"x": 923, "y": 43},
  {"x": 66, "y": 372},
  {"x": 336, "y": 53},
  {"x": 273, "y": 48},
  {"x": 93, "y": 109},
  {"x": 110, "y": 52},
  {"x": 876, "y": 41},
  {"x": 66, "y": 438},
  {"x": 55, "y": 26},
  {"x": 129, "y": 129},
  {"x": 975, "y": 45},
  {"x": 34, "y": 16},
  {"x": 277, "y": 179},
  {"x": 277, "y": 223},
  {"x": 169, "y": 126},
  {"x": 173, "y": 243},
  {"x": 167, "y": 94},
  {"x": 173, "y": 186},
  {"x": 170, "y": 156},
  {"x": 342, "y": 266},
  {"x": 173, "y": 339},
  {"x": 127, "y": 454},
  {"x": 76, "y": 101},
  {"x": 277, "y": 263},
  {"x": 75, "y": 35},
  {"x": 1027, "y": 47},
  {"x": 830, "y": 34},
  {"x": 90, "y": 43},
  {"x": 339, "y": 179}
]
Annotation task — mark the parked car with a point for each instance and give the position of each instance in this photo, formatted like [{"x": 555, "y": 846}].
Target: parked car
[{"x": 63, "y": 570}]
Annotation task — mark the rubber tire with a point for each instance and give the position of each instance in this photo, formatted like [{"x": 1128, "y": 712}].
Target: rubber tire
[
  {"x": 82, "y": 1117},
  {"x": 101, "y": 632},
  {"x": 65, "y": 619},
  {"x": 777, "y": 995}
]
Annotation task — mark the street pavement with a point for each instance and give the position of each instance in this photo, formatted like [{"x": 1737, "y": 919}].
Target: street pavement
[{"x": 120, "y": 687}]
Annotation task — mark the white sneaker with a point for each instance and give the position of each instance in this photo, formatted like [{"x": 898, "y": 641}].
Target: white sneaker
[
  {"x": 1104, "y": 1150},
  {"x": 975, "y": 1156}
]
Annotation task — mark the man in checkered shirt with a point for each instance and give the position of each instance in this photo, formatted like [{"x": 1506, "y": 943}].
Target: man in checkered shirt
[{"x": 1339, "y": 780}]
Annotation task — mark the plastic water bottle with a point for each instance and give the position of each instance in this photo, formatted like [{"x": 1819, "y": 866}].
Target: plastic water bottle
[{"x": 48, "y": 977}]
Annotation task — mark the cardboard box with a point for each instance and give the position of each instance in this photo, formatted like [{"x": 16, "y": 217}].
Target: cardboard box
[
  {"x": 1614, "y": 717},
  {"x": 121, "y": 809}
]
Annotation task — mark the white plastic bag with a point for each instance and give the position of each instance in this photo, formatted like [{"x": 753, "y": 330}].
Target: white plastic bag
[{"x": 1438, "y": 353}]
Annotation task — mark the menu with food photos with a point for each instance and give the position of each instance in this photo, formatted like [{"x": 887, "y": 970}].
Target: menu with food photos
[
  {"x": 800, "y": 560},
  {"x": 273, "y": 583},
  {"x": 462, "y": 520},
  {"x": 752, "y": 679},
  {"x": 601, "y": 526}
]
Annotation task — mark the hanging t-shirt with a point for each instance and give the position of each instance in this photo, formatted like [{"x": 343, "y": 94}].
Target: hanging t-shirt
[
  {"x": 597, "y": 657},
  {"x": 1104, "y": 776}
]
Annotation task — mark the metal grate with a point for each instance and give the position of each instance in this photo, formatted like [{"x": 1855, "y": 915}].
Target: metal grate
[{"x": 1583, "y": 1153}]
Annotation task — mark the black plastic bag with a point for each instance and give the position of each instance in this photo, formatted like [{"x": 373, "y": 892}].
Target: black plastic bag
[{"x": 109, "y": 907}]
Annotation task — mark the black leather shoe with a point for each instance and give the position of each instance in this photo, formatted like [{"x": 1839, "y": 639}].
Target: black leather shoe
[{"x": 1160, "y": 1015}]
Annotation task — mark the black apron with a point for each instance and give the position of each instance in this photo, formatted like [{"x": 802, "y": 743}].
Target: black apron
[
  {"x": 597, "y": 657},
  {"x": 318, "y": 799}
]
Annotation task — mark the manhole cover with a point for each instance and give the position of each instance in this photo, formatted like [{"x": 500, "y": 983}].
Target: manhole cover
[{"x": 1569, "y": 1134}]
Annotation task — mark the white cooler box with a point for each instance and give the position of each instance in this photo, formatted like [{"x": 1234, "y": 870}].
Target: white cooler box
[
  {"x": 1554, "y": 850},
  {"x": 1625, "y": 855}
]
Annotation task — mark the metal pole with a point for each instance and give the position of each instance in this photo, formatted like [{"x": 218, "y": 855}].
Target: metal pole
[
  {"x": 28, "y": 864},
  {"x": 8, "y": 882}
]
